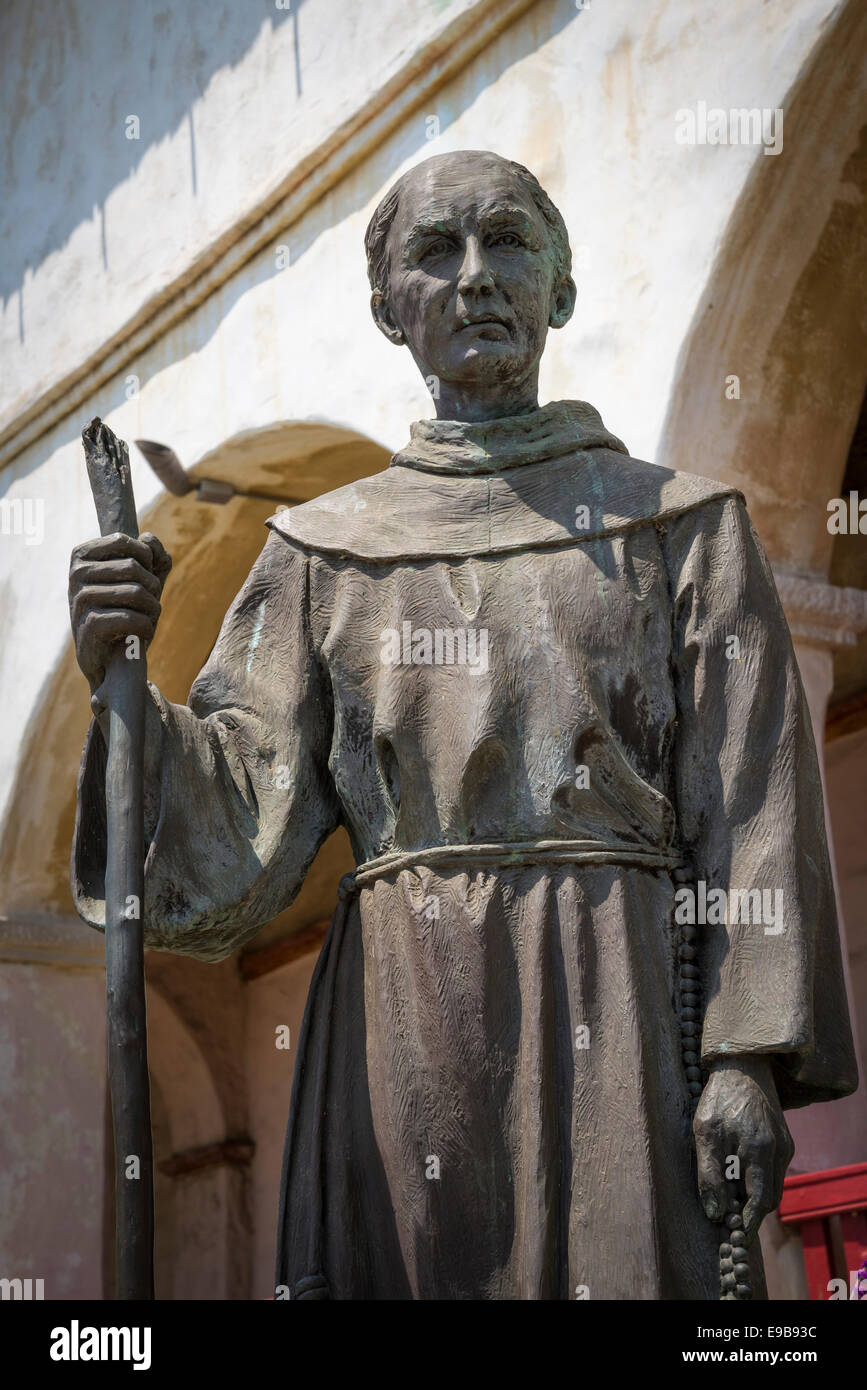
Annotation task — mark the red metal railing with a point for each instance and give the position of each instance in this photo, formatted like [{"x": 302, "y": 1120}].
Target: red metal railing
[{"x": 810, "y": 1200}]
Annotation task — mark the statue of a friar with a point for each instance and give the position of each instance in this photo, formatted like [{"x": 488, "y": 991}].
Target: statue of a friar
[{"x": 589, "y": 952}]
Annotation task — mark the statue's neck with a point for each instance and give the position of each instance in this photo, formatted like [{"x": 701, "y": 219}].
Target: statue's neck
[{"x": 480, "y": 401}]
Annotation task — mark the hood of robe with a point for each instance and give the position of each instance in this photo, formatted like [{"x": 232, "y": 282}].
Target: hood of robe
[{"x": 554, "y": 476}]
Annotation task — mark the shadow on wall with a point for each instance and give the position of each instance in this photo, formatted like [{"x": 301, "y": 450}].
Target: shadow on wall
[{"x": 62, "y": 62}]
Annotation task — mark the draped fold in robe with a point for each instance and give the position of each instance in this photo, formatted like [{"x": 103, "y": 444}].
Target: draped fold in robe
[{"x": 489, "y": 1099}]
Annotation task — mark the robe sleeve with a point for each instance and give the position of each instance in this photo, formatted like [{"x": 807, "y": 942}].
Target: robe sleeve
[
  {"x": 750, "y": 812},
  {"x": 238, "y": 795}
]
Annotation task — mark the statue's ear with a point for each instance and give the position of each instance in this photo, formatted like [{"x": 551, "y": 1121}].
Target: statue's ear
[
  {"x": 384, "y": 319},
  {"x": 564, "y": 303}
]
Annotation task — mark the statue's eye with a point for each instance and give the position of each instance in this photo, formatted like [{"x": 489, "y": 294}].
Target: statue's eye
[
  {"x": 440, "y": 247},
  {"x": 509, "y": 239}
]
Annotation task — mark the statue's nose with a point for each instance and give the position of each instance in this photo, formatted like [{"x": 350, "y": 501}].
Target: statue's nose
[{"x": 475, "y": 275}]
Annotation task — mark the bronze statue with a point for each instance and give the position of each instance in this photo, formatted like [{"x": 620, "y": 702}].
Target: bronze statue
[{"x": 589, "y": 952}]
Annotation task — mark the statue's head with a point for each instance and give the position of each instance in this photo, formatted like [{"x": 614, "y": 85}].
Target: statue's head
[{"x": 469, "y": 266}]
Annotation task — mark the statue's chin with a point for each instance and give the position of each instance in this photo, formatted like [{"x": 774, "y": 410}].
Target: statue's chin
[{"x": 486, "y": 360}]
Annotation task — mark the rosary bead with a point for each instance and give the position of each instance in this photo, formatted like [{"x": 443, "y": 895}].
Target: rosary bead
[
  {"x": 688, "y": 972},
  {"x": 693, "y": 1074},
  {"x": 695, "y": 1088},
  {"x": 690, "y": 1058},
  {"x": 726, "y": 1267},
  {"x": 689, "y": 1000},
  {"x": 742, "y": 1271},
  {"x": 689, "y": 1015},
  {"x": 688, "y": 1029},
  {"x": 733, "y": 1221},
  {"x": 728, "y": 1281},
  {"x": 744, "y": 1292},
  {"x": 687, "y": 952},
  {"x": 725, "y": 1250}
]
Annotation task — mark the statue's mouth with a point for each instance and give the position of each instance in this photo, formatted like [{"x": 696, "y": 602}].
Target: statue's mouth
[{"x": 483, "y": 321}]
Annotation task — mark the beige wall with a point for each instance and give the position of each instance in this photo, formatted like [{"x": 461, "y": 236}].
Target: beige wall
[
  {"x": 52, "y": 1127},
  {"x": 271, "y": 1001},
  {"x": 846, "y": 776},
  {"x": 231, "y": 100}
]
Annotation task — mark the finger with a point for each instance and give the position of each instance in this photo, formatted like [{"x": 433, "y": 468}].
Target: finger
[
  {"x": 127, "y": 571},
  {"x": 120, "y": 596},
  {"x": 759, "y": 1197},
  {"x": 711, "y": 1183},
  {"x": 784, "y": 1153},
  {"x": 162, "y": 560},
  {"x": 114, "y": 547},
  {"x": 115, "y": 624}
]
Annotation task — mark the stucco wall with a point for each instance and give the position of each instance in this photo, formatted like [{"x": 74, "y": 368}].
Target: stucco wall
[
  {"x": 846, "y": 773},
  {"x": 52, "y": 1127},
  {"x": 274, "y": 1001},
  {"x": 100, "y": 215}
]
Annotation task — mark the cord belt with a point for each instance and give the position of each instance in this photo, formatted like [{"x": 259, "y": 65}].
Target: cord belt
[{"x": 506, "y": 854}]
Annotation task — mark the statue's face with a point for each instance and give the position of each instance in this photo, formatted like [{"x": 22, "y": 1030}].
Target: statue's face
[{"x": 472, "y": 281}]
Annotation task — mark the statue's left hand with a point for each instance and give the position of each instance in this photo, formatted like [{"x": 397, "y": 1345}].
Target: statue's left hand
[{"x": 739, "y": 1114}]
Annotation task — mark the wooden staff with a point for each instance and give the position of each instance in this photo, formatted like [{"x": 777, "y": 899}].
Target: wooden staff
[{"x": 123, "y": 694}]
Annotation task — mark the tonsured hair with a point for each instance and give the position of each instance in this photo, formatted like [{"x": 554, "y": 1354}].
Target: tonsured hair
[{"x": 376, "y": 236}]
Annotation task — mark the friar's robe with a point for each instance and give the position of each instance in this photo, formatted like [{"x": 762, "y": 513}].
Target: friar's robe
[{"x": 489, "y": 1099}]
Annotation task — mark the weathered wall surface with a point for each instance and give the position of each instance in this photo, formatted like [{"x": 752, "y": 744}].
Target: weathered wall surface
[
  {"x": 52, "y": 1127},
  {"x": 139, "y": 134},
  {"x": 273, "y": 1002},
  {"x": 846, "y": 771}
]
